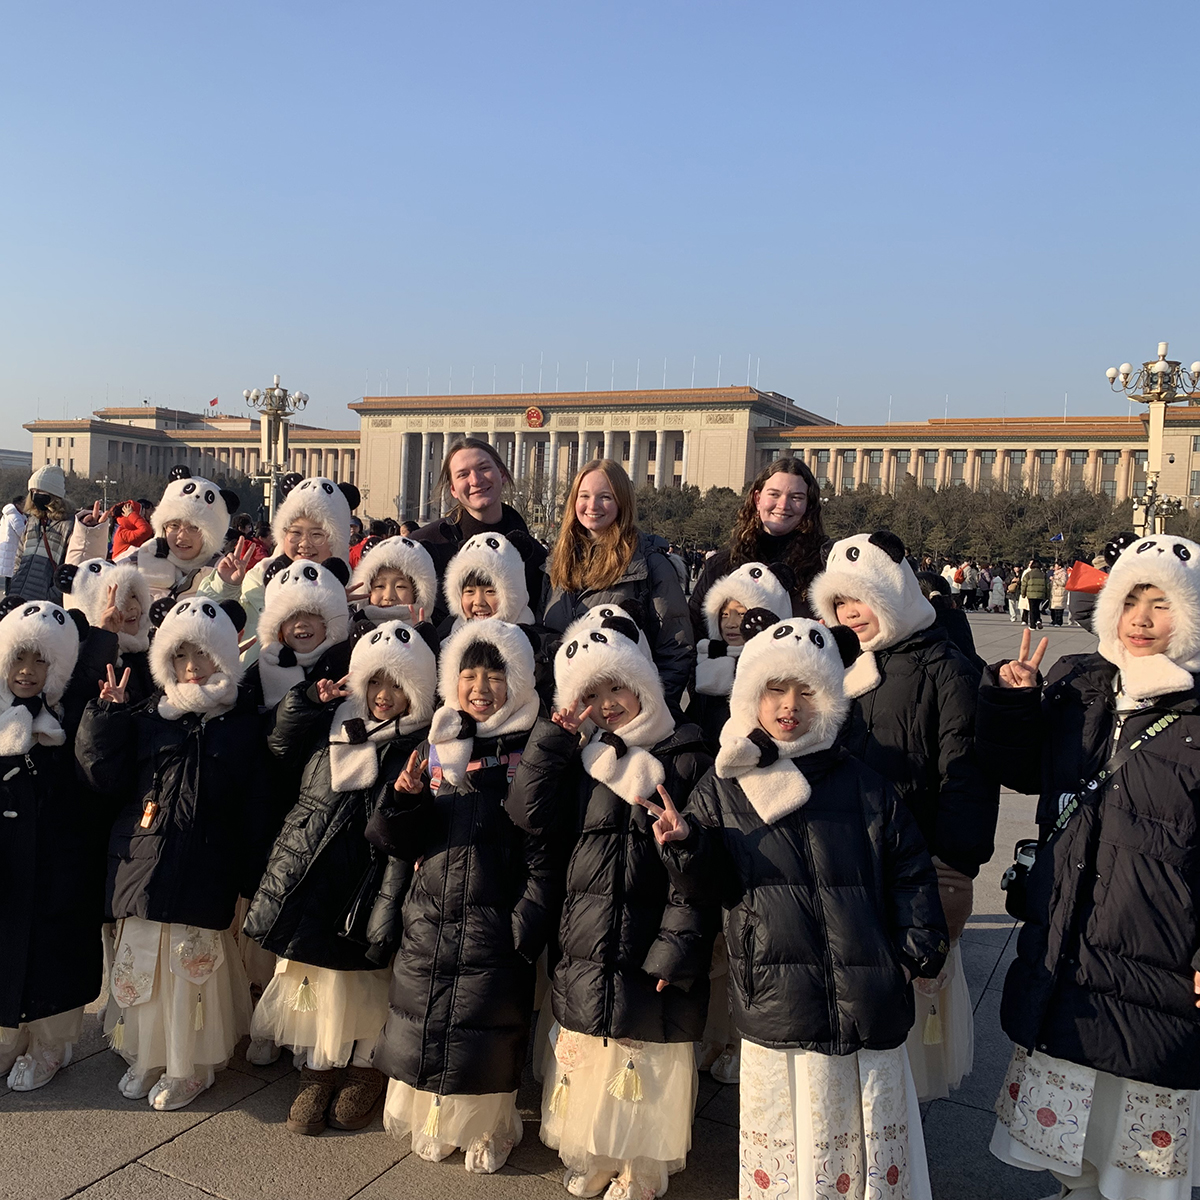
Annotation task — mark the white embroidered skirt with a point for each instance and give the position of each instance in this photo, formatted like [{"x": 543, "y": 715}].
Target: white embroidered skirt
[
  {"x": 179, "y": 996},
  {"x": 816, "y": 1125},
  {"x": 459, "y": 1121},
  {"x": 941, "y": 1045},
  {"x": 326, "y": 1018},
  {"x": 1054, "y": 1115}
]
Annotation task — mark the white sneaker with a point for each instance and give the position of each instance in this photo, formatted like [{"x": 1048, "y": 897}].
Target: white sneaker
[
  {"x": 431, "y": 1150},
  {"x": 486, "y": 1155},
  {"x": 135, "y": 1086},
  {"x": 11, "y": 1051},
  {"x": 168, "y": 1093},
  {"x": 262, "y": 1052},
  {"x": 728, "y": 1068},
  {"x": 35, "y": 1069}
]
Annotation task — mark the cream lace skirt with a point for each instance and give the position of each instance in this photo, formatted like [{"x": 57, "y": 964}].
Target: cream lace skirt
[
  {"x": 941, "y": 1044},
  {"x": 451, "y": 1120}
]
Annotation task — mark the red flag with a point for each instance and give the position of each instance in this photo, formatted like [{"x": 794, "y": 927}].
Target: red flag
[
  {"x": 1083, "y": 577},
  {"x": 212, "y": 402}
]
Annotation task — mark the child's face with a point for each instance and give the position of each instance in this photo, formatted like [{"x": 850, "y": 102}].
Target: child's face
[
  {"x": 306, "y": 539},
  {"x": 390, "y": 587},
  {"x": 613, "y": 704},
  {"x": 27, "y": 675},
  {"x": 859, "y": 617},
  {"x": 184, "y": 540},
  {"x": 731, "y": 623},
  {"x": 482, "y": 692},
  {"x": 191, "y": 664},
  {"x": 479, "y": 603},
  {"x": 386, "y": 698},
  {"x": 302, "y": 632},
  {"x": 131, "y": 615},
  {"x": 1145, "y": 624},
  {"x": 787, "y": 709}
]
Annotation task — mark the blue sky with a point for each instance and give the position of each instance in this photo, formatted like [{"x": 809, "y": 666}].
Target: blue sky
[{"x": 995, "y": 201}]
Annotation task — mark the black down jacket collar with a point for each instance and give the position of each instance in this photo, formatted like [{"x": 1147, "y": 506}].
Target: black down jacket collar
[{"x": 1103, "y": 974}]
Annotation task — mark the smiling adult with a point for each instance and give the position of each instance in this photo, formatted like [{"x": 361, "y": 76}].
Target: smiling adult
[
  {"x": 474, "y": 476},
  {"x": 602, "y": 558},
  {"x": 779, "y": 521}
]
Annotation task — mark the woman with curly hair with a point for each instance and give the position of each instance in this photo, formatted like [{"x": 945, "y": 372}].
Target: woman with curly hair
[
  {"x": 779, "y": 521},
  {"x": 601, "y": 557}
]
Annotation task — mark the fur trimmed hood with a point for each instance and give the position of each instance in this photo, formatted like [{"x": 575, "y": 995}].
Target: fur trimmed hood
[
  {"x": 322, "y": 501},
  {"x": 753, "y": 585},
  {"x": 85, "y": 588},
  {"x": 594, "y": 618},
  {"x": 195, "y": 501},
  {"x": 214, "y": 628},
  {"x": 499, "y": 559},
  {"x": 50, "y": 630},
  {"x": 1172, "y": 564},
  {"x": 412, "y": 560}
]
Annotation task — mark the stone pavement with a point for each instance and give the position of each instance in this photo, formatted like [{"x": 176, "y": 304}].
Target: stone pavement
[{"x": 79, "y": 1137}]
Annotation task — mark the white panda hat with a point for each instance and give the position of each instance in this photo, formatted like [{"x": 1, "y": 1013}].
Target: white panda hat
[
  {"x": 322, "y": 501},
  {"x": 792, "y": 649},
  {"x": 872, "y": 568},
  {"x": 85, "y": 588},
  {"x": 500, "y": 559},
  {"x": 594, "y": 618},
  {"x": 404, "y": 655},
  {"x": 1172, "y": 564},
  {"x": 55, "y": 634},
  {"x": 607, "y": 651},
  {"x": 412, "y": 560},
  {"x": 299, "y": 587},
  {"x": 753, "y": 585},
  {"x": 214, "y": 628},
  {"x": 195, "y": 501}
]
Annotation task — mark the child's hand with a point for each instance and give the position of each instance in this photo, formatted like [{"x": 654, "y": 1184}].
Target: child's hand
[
  {"x": 93, "y": 518},
  {"x": 416, "y": 615},
  {"x": 327, "y": 690},
  {"x": 1022, "y": 672},
  {"x": 111, "y": 618},
  {"x": 1196, "y": 985},
  {"x": 669, "y": 826},
  {"x": 411, "y": 779},
  {"x": 571, "y": 718},
  {"x": 111, "y": 690},
  {"x": 662, "y": 985},
  {"x": 244, "y": 646},
  {"x": 233, "y": 567},
  {"x": 356, "y": 592}
]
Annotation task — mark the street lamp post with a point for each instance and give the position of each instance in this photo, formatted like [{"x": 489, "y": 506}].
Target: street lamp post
[
  {"x": 1159, "y": 382},
  {"x": 277, "y": 406},
  {"x": 105, "y": 484}
]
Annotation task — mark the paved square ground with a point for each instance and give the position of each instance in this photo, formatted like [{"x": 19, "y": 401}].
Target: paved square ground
[{"x": 79, "y": 1137}]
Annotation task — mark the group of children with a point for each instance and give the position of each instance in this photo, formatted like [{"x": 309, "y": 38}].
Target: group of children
[{"x": 422, "y": 821}]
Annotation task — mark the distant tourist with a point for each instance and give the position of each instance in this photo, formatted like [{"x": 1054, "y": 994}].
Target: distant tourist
[{"x": 12, "y": 525}]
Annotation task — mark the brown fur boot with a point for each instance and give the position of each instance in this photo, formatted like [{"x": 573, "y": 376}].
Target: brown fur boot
[
  {"x": 312, "y": 1101},
  {"x": 357, "y": 1098}
]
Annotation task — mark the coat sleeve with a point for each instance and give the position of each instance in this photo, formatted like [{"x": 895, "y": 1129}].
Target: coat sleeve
[
  {"x": 674, "y": 644},
  {"x": 536, "y": 912},
  {"x": 98, "y": 651},
  {"x": 968, "y": 799},
  {"x": 300, "y": 720},
  {"x": 539, "y": 796},
  {"x": 1008, "y": 733},
  {"x": 709, "y": 574},
  {"x": 106, "y": 746},
  {"x": 399, "y": 826},
  {"x": 86, "y": 541}
]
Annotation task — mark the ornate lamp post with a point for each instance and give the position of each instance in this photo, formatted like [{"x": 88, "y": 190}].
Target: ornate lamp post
[
  {"x": 1158, "y": 383},
  {"x": 277, "y": 406}
]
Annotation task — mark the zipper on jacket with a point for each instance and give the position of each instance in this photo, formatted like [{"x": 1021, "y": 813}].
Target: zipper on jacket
[
  {"x": 830, "y": 996},
  {"x": 198, "y": 734},
  {"x": 748, "y": 960},
  {"x": 615, "y": 929}
]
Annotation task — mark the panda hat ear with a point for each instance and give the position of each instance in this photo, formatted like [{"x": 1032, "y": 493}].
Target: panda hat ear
[
  {"x": 847, "y": 643},
  {"x": 352, "y": 494},
  {"x": 755, "y": 620},
  {"x": 64, "y": 577},
  {"x": 288, "y": 482},
  {"x": 277, "y": 564},
  {"x": 159, "y": 610},
  {"x": 232, "y": 499},
  {"x": 521, "y": 542},
  {"x": 338, "y": 570},
  {"x": 1113, "y": 550},
  {"x": 235, "y": 612},
  {"x": 9, "y": 603},
  {"x": 81, "y": 622},
  {"x": 784, "y": 573},
  {"x": 637, "y": 614},
  {"x": 889, "y": 543},
  {"x": 178, "y": 472},
  {"x": 622, "y": 625}
]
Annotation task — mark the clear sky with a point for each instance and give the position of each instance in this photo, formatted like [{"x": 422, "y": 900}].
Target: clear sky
[{"x": 991, "y": 200}]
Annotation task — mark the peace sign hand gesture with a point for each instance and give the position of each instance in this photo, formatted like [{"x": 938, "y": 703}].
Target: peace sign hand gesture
[
  {"x": 1022, "y": 672},
  {"x": 327, "y": 690},
  {"x": 93, "y": 518},
  {"x": 233, "y": 567},
  {"x": 669, "y": 826},
  {"x": 411, "y": 779},
  {"x": 571, "y": 718},
  {"x": 111, "y": 690},
  {"x": 416, "y": 616},
  {"x": 111, "y": 618}
]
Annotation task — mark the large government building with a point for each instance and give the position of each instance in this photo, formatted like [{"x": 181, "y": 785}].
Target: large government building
[{"x": 709, "y": 437}]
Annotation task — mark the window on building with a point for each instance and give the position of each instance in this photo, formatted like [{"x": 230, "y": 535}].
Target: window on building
[
  {"x": 848, "y": 457},
  {"x": 823, "y": 482},
  {"x": 677, "y": 481},
  {"x": 1141, "y": 457},
  {"x": 1046, "y": 487},
  {"x": 1079, "y": 458},
  {"x": 71, "y": 466},
  {"x": 679, "y": 449},
  {"x": 987, "y": 456},
  {"x": 625, "y": 450},
  {"x": 71, "y": 443},
  {"x": 903, "y": 456},
  {"x": 931, "y": 457},
  {"x": 58, "y": 446},
  {"x": 652, "y": 453},
  {"x": 1109, "y": 488},
  {"x": 1196, "y": 445},
  {"x": 58, "y": 462},
  {"x": 1016, "y": 457},
  {"x": 1194, "y": 490},
  {"x": 876, "y": 456},
  {"x": 1110, "y": 458},
  {"x": 1139, "y": 488},
  {"x": 822, "y": 456},
  {"x": 1047, "y": 457},
  {"x": 958, "y": 456}
]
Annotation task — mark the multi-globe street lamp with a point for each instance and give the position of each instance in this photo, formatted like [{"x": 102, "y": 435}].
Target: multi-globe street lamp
[
  {"x": 277, "y": 406},
  {"x": 1157, "y": 384}
]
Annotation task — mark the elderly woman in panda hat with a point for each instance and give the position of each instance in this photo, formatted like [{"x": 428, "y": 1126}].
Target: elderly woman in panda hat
[
  {"x": 912, "y": 699},
  {"x": 51, "y": 840},
  {"x": 1102, "y": 998},
  {"x": 312, "y": 523},
  {"x": 186, "y": 766},
  {"x": 831, "y": 909},
  {"x": 328, "y": 902},
  {"x": 619, "y": 1100},
  {"x": 476, "y": 915}
]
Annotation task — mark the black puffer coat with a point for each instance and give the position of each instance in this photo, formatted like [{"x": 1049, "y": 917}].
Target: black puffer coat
[
  {"x": 475, "y": 920},
  {"x": 206, "y": 777},
  {"x": 1103, "y": 974},
  {"x": 623, "y": 922},
  {"x": 917, "y": 729},
  {"x": 824, "y": 906},
  {"x": 651, "y": 580},
  {"x": 52, "y": 837},
  {"x": 317, "y": 896}
]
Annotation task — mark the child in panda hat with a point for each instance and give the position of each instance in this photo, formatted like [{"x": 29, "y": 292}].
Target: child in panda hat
[
  {"x": 486, "y": 579},
  {"x": 394, "y": 581},
  {"x": 186, "y": 765},
  {"x": 618, "y": 1103},
  {"x": 476, "y": 916},
  {"x": 913, "y": 695},
  {"x": 329, "y": 902},
  {"x": 312, "y": 523},
  {"x": 191, "y": 523},
  {"x": 51, "y": 840},
  {"x": 752, "y": 585},
  {"x": 831, "y": 908},
  {"x": 1101, "y": 1001}
]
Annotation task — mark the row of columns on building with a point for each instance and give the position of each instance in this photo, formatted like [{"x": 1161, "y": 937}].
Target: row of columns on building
[
  {"x": 587, "y": 444},
  {"x": 943, "y": 471},
  {"x": 338, "y": 465}
]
